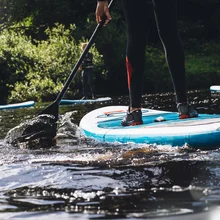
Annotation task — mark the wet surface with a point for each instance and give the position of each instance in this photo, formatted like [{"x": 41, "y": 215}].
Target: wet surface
[{"x": 83, "y": 179}]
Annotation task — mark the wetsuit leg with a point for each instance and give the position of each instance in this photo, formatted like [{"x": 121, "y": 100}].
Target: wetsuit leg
[
  {"x": 90, "y": 82},
  {"x": 136, "y": 19},
  {"x": 85, "y": 83},
  {"x": 166, "y": 20}
]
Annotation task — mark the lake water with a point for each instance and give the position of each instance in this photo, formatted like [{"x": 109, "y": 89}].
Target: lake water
[{"x": 83, "y": 179}]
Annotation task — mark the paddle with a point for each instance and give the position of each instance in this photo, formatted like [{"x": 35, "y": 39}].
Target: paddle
[{"x": 53, "y": 108}]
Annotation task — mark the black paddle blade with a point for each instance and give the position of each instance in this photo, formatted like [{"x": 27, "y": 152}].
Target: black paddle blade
[{"x": 52, "y": 109}]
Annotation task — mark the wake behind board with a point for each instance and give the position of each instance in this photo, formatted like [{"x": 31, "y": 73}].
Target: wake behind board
[
  {"x": 83, "y": 101},
  {"x": 104, "y": 124},
  {"x": 17, "y": 105}
]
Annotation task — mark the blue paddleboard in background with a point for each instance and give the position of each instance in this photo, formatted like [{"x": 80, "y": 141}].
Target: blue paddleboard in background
[
  {"x": 17, "y": 105},
  {"x": 214, "y": 89},
  {"x": 83, "y": 101},
  {"x": 104, "y": 124}
]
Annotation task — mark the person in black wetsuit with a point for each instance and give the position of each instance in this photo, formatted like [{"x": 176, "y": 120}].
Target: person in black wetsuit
[
  {"x": 166, "y": 20},
  {"x": 87, "y": 74}
]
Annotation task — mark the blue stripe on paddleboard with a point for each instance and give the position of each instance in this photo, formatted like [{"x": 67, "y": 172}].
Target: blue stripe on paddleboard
[{"x": 198, "y": 141}]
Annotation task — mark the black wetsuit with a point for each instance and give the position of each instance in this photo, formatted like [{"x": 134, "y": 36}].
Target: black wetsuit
[
  {"x": 166, "y": 20},
  {"x": 87, "y": 75}
]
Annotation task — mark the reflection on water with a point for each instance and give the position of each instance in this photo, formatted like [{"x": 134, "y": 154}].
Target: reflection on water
[{"x": 84, "y": 179}]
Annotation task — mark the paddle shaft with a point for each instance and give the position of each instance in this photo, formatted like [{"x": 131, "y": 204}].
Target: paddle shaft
[{"x": 76, "y": 67}]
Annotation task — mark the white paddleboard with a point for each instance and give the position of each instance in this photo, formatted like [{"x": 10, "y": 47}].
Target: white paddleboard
[
  {"x": 104, "y": 124},
  {"x": 215, "y": 89},
  {"x": 17, "y": 105}
]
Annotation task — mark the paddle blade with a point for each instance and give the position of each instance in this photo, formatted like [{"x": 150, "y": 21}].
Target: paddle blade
[{"x": 52, "y": 109}]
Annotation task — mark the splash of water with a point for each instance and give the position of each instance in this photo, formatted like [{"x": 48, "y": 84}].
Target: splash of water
[{"x": 36, "y": 133}]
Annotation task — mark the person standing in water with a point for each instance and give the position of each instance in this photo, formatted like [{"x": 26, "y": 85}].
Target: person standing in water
[
  {"x": 166, "y": 20},
  {"x": 87, "y": 74}
]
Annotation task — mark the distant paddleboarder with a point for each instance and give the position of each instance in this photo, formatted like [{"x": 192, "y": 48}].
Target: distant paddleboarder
[{"x": 87, "y": 74}]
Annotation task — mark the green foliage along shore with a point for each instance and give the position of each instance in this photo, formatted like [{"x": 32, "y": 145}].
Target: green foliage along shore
[
  {"x": 40, "y": 46},
  {"x": 36, "y": 70}
]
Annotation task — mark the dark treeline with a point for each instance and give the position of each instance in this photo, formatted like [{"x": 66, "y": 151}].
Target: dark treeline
[{"x": 40, "y": 42}]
